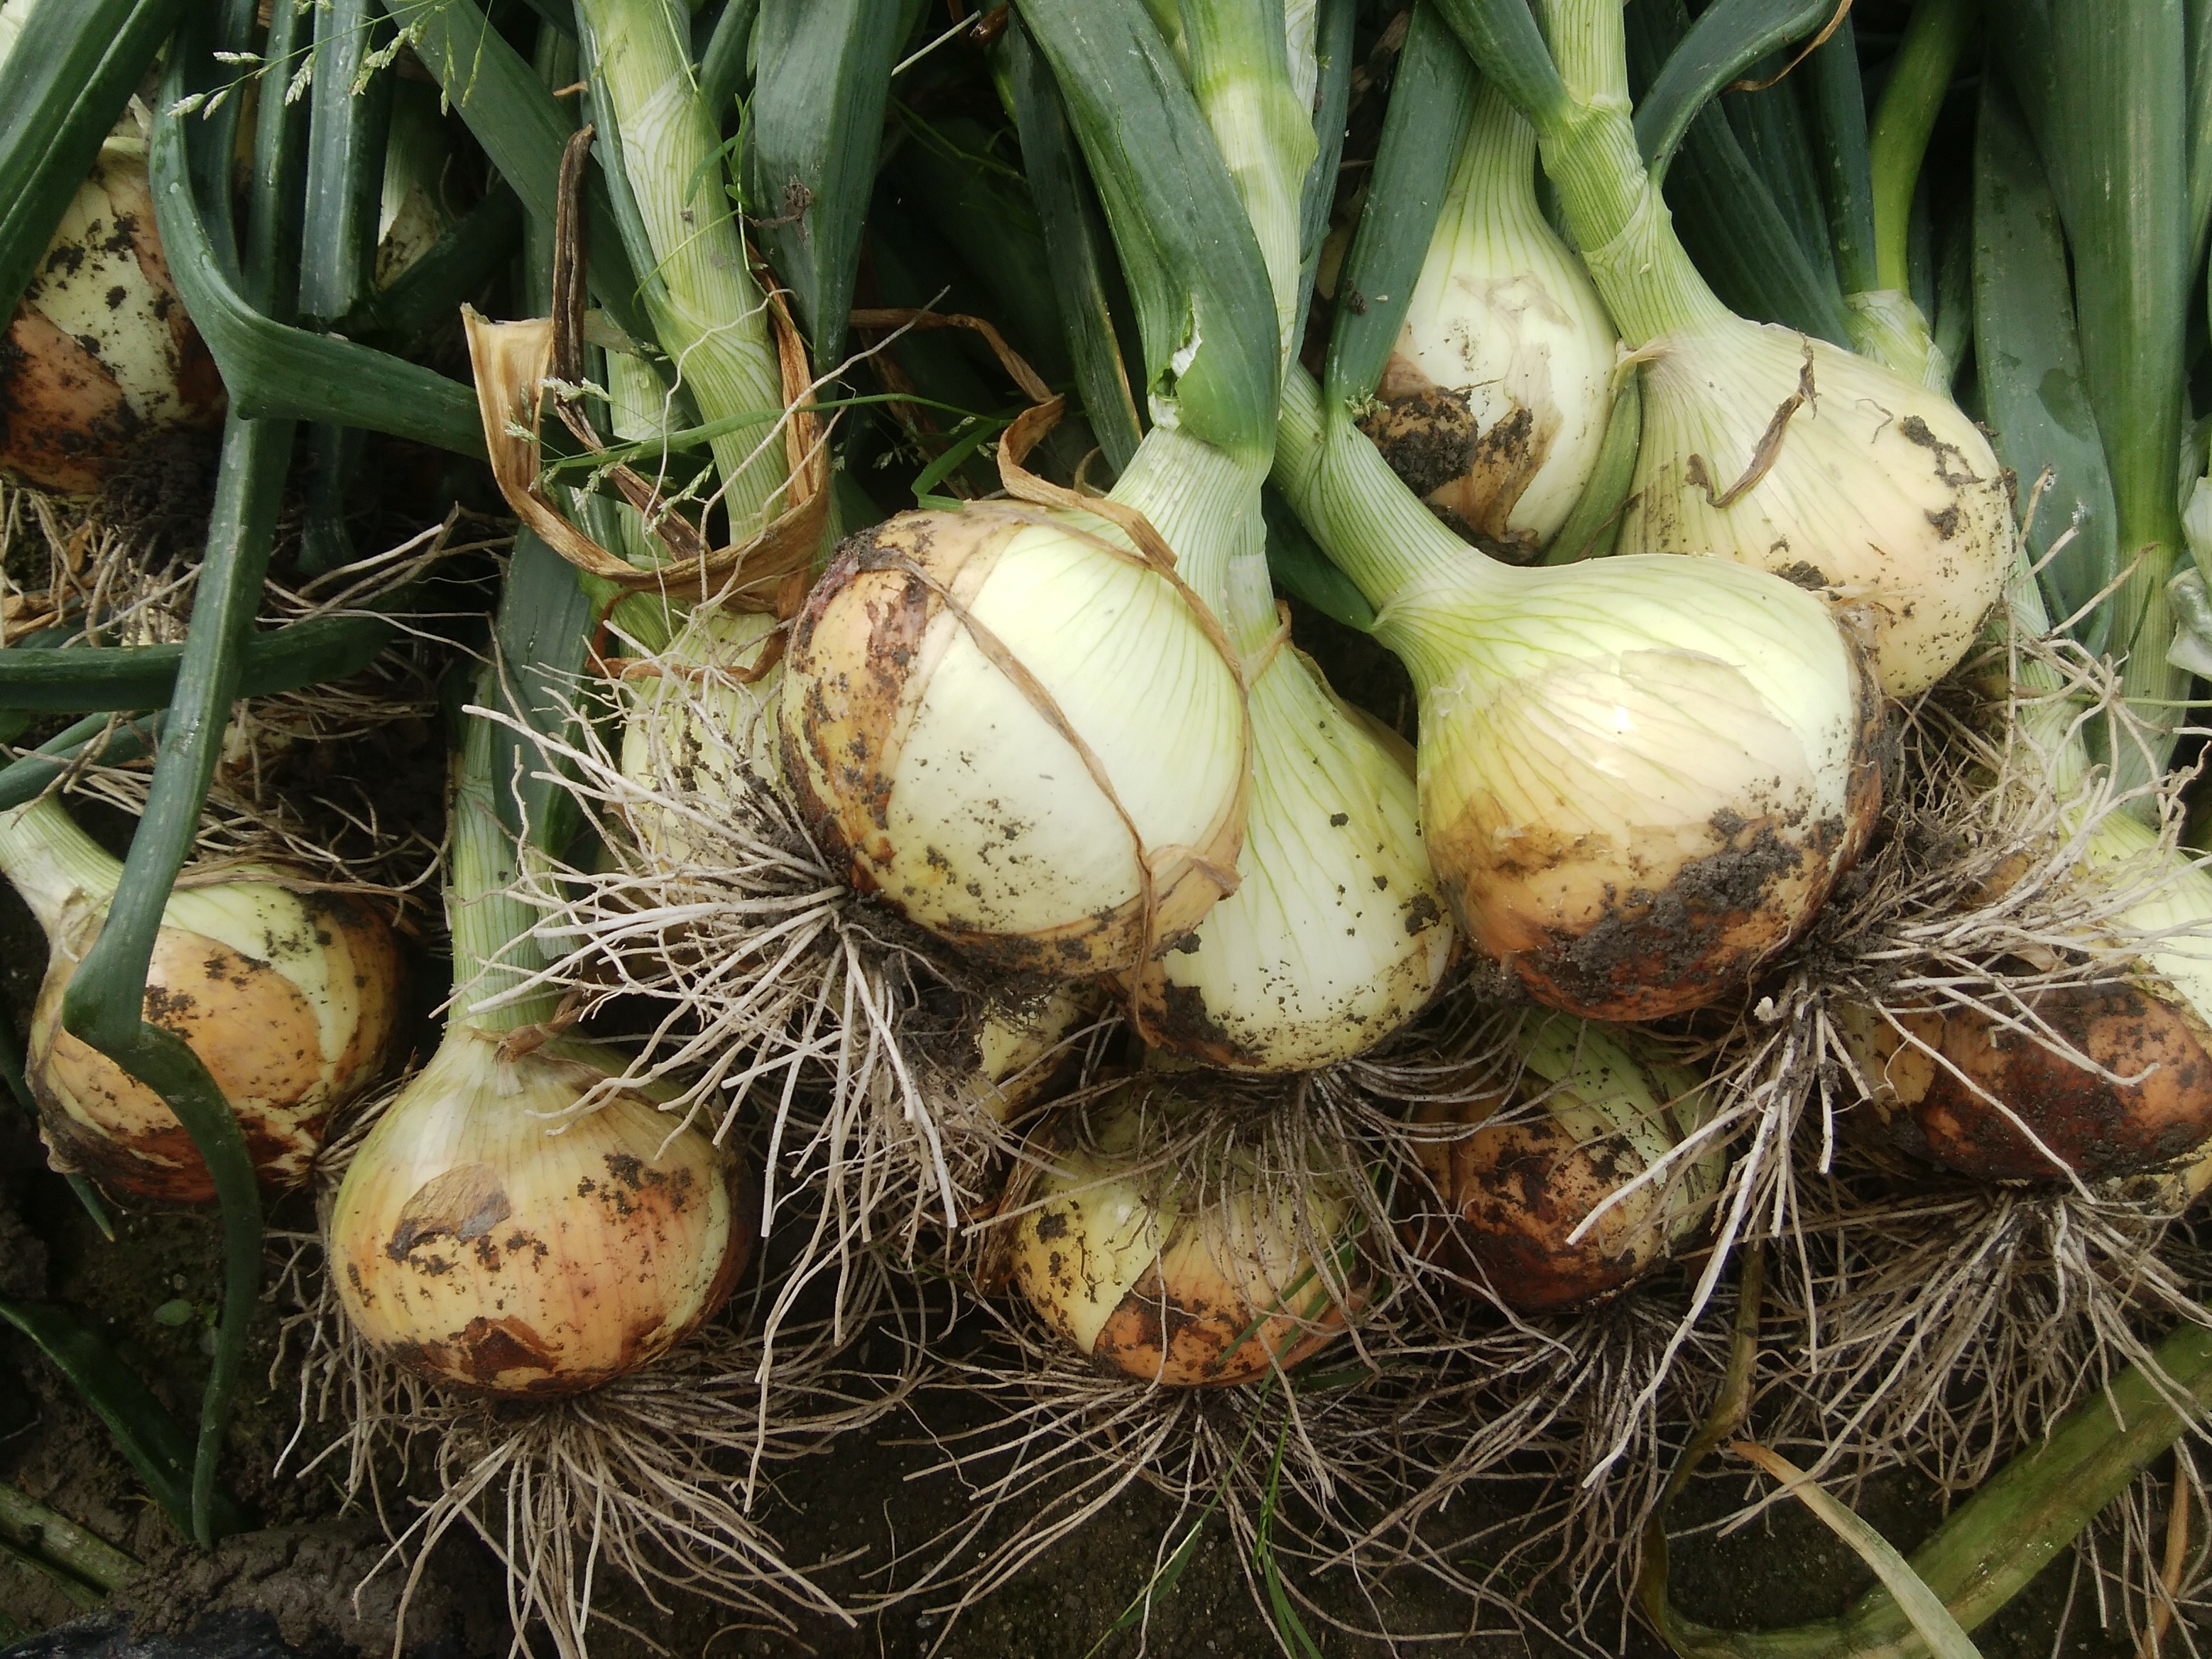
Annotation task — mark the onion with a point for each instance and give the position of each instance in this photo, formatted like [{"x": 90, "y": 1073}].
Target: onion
[
  {"x": 1870, "y": 490},
  {"x": 289, "y": 999},
  {"x": 1638, "y": 777},
  {"x": 480, "y": 1244},
  {"x": 1023, "y": 738},
  {"x": 1586, "y": 1114},
  {"x": 1169, "y": 1248},
  {"x": 99, "y": 355},
  {"x": 1493, "y": 404},
  {"x": 1009, "y": 1054}
]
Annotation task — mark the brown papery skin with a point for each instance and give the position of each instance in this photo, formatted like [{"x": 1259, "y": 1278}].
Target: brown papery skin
[
  {"x": 1511, "y": 1195},
  {"x": 1187, "y": 1337},
  {"x": 2097, "y": 1129},
  {"x": 1679, "y": 918},
  {"x": 1470, "y": 477},
  {"x": 252, "y": 1029},
  {"x": 862, "y": 652}
]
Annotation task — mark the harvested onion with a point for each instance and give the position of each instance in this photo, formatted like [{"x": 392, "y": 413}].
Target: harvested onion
[
  {"x": 1183, "y": 1259},
  {"x": 290, "y": 999},
  {"x": 1586, "y": 1115}
]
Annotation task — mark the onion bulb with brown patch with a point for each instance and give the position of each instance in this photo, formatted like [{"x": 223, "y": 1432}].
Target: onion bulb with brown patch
[
  {"x": 1492, "y": 406},
  {"x": 1582, "y": 1116},
  {"x": 289, "y": 998},
  {"x": 1179, "y": 1247},
  {"x": 488, "y": 1236},
  {"x": 1639, "y": 777},
  {"x": 1022, "y": 737},
  {"x": 1968, "y": 1085}
]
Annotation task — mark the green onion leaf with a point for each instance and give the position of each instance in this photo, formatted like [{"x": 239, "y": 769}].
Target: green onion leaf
[{"x": 1728, "y": 37}]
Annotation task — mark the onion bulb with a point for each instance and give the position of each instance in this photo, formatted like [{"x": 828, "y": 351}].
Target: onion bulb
[
  {"x": 1492, "y": 406},
  {"x": 1181, "y": 1258},
  {"x": 100, "y": 355},
  {"x": 1638, "y": 777},
  {"x": 289, "y": 999},
  {"x": 1023, "y": 740},
  {"x": 1586, "y": 1114},
  {"x": 1948, "y": 1083},
  {"x": 1008, "y": 1055},
  {"x": 1337, "y": 935},
  {"x": 481, "y": 1240},
  {"x": 1790, "y": 455}
]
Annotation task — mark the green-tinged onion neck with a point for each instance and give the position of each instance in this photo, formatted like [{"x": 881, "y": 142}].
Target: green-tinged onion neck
[
  {"x": 1205, "y": 503},
  {"x": 1370, "y": 525},
  {"x": 1240, "y": 71},
  {"x": 493, "y": 951},
  {"x": 705, "y": 305},
  {"x": 1618, "y": 216},
  {"x": 51, "y": 862}
]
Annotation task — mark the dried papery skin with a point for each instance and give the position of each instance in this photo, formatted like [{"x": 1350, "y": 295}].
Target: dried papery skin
[
  {"x": 1632, "y": 807},
  {"x": 292, "y": 1001},
  {"x": 923, "y": 765},
  {"x": 1878, "y": 494},
  {"x": 1589, "y": 1118},
  {"x": 480, "y": 1241},
  {"x": 100, "y": 355},
  {"x": 1185, "y": 1266}
]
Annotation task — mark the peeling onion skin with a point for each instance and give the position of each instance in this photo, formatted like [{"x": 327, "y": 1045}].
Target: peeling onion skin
[
  {"x": 1511, "y": 1195},
  {"x": 1140, "y": 1284},
  {"x": 1632, "y": 805},
  {"x": 294, "y": 1013},
  {"x": 928, "y": 773},
  {"x": 1883, "y": 497},
  {"x": 476, "y": 1248},
  {"x": 1942, "y": 1108},
  {"x": 100, "y": 355}
]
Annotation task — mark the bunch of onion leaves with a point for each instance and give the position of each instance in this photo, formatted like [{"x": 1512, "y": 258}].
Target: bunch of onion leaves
[{"x": 527, "y": 1265}]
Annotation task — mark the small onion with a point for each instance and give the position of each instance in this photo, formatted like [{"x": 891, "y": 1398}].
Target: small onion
[
  {"x": 1492, "y": 406},
  {"x": 482, "y": 1241},
  {"x": 1588, "y": 1112},
  {"x": 1185, "y": 1265},
  {"x": 914, "y": 739},
  {"x": 289, "y": 999},
  {"x": 1849, "y": 480},
  {"x": 1011, "y": 1052}
]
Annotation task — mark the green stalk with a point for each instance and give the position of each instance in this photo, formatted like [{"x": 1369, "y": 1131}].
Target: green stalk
[
  {"x": 708, "y": 312},
  {"x": 1838, "y": 99},
  {"x": 1919, "y": 78},
  {"x": 1590, "y": 156},
  {"x": 78, "y": 679},
  {"x": 493, "y": 951},
  {"x": 104, "y": 1005},
  {"x": 30, "y": 1526},
  {"x": 106, "y": 740}
]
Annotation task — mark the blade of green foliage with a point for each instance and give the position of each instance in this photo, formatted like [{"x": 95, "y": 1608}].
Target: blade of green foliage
[
  {"x": 55, "y": 1538},
  {"x": 1771, "y": 125},
  {"x": 1187, "y": 249},
  {"x": 1334, "y": 51},
  {"x": 1728, "y": 37},
  {"x": 1075, "y": 249},
  {"x": 346, "y": 161},
  {"x": 98, "y": 739},
  {"x": 1919, "y": 79},
  {"x": 1503, "y": 39},
  {"x": 543, "y": 631},
  {"x": 1726, "y": 217},
  {"x": 722, "y": 72},
  {"x": 2030, "y": 361},
  {"x": 1836, "y": 102},
  {"x": 61, "y": 91},
  {"x": 522, "y": 127},
  {"x": 428, "y": 293},
  {"x": 158, "y": 1448},
  {"x": 1303, "y": 571},
  {"x": 1431, "y": 102},
  {"x": 97, "y": 678},
  {"x": 814, "y": 126}
]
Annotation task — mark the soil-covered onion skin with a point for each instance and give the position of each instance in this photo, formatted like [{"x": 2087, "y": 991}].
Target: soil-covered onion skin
[
  {"x": 1724, "y": 830},
  {"x": 1944, "y": 1105},
  {"x": 99, "y": 355},
  {"x": 1589, "y": 1112},
  {"x": 927, "y": 766},
  {"x": 285, "y": 1059},
  {"x": 479, "y": 1249},
  {"x": 1169, "y": 1276}
]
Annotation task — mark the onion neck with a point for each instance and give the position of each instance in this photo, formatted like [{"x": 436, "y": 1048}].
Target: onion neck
[
  {"x": 52, "y": 863},
  {"x": 1204, "y": 502},
  {"x": 1374, "y": 528},
  {"x": 1612, "y": 204},
  {"x": 493, "y": 951}
]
